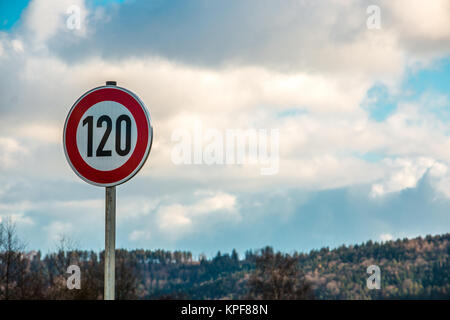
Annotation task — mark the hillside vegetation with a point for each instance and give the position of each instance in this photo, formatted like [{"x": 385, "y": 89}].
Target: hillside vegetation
[{"x": 410, "y": 269}]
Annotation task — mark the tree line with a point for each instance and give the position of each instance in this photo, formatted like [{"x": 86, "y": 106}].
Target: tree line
[{"x": 410, "y": 269}]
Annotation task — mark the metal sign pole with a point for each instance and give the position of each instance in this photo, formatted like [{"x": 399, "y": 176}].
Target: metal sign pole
[
  {"x": 110, "y": 242},
  {"x": 110, "y": 237}
]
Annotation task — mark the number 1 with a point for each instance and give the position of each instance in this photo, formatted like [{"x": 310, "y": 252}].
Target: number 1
[{"x": 89, "y": 120}]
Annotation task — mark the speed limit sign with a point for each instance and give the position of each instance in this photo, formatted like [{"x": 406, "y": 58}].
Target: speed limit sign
[{"x": 107, "y": 136}]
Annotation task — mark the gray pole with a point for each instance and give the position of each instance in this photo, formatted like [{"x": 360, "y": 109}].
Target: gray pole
[{"x": 110, "y": 237}]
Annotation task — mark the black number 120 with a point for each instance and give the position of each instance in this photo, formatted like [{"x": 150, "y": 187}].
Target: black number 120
[{"x": 100, "y": 150}]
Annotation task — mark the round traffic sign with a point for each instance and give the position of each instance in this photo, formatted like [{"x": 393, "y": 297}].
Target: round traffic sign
[{"x": 107, "y": 136}]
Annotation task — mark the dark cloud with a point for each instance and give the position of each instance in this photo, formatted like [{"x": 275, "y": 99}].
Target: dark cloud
[{"x": 284, "y": 34}]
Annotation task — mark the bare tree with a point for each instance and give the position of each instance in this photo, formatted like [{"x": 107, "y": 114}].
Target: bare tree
[
  {"x": 277, "y": 276},
  {"x": 12, "y": 259},
  {"x": 91, "y": 272},
  {"x": 57, "y": 264},
  {"x": 126, "y": 275}
]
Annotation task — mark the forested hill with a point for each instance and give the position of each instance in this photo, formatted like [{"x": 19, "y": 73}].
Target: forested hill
[{"x": 411, "y": 269}]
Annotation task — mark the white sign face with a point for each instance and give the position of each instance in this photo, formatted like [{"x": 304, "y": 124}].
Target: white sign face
[{"x": 102, "y": 144}]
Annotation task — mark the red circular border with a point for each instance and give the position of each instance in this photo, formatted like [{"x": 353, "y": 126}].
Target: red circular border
[{"x": 70, "y": 134}]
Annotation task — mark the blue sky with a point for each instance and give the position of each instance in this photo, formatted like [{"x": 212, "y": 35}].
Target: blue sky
[
  {"x": 363, "y": 117},
  {"x": 432, "y": 79},
  {"x": 10, "y": 12}
]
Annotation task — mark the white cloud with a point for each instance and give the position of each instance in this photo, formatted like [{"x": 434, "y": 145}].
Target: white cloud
[
  {"x": 139, "y": 235},
  {"x": 405, "y": 174},
  {"x": 174, "y": 218},
  {"x": 17, "y": 45},
  {"x": 46, "y": 18},
  {"x": 311, "y": 142},
  {"x": 386, "y": 237},
  {"x": 11, "y": 150},
  {"x": 178, "y": 220},
  {"x": 19, "y": 219},
  {"x": 7, "y": 209},
  {"x": 421, "y": 20},
  {"x": 46, "y": 133},
  {"x": 56, "y": 229},
  {"x": 213, "y": 202},
  {"x": 136, "y": 207}
]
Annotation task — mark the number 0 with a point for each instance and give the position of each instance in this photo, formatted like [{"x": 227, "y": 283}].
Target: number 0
[{"x": 123, "y": 152}]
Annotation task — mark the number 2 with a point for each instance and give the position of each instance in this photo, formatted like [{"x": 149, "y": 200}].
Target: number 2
[{"x": 100, "y": 152}]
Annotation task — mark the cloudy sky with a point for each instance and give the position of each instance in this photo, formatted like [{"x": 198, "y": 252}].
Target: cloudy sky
[{"x": 363, "y": 116}]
